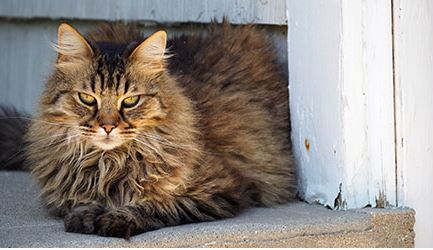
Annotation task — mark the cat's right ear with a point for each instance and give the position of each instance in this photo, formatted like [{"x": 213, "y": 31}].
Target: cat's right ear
[
  {"x": 150, "y": 55},
  {"x": 71, "y": 45}
]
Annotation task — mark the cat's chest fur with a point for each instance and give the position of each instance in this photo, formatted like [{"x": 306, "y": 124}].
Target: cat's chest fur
[{"x": 80, "y": 173}]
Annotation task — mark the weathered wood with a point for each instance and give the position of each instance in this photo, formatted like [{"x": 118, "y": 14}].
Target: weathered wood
[
  {"x": 341, "y": 100},
  {"x": 163, "y": 11},
  {"x": 25, "y": 59},
  {"x": 413, "y": 41}
]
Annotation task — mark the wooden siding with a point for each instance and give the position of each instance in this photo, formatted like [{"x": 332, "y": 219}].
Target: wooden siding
[{"x": 163, "y": 11}]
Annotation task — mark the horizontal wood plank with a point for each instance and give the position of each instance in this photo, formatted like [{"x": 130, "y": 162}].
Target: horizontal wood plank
[{"x": 163, "y": 11}]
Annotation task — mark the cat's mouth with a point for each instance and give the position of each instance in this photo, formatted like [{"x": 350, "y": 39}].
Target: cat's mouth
[
  {"x": 107, "y": 142},
  {"x": 103, "y": 140}
]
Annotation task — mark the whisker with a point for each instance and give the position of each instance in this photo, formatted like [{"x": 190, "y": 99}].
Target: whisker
[
  {"x": 147, "y": 145},
  {"x": 67, "y": 138},
  {"x": 61, "y": 124},
  {"x": 167, "y": 143},
  {"x": 127, "y": 132},
  {"x": 87, "y": 134},
  {"x": 88, "y": 130},
  {"x": 127, "y": 137},
  {"x": 15, "y": 154},
  {"x": 159, "y": 140},
  {"x": 158, "y": 152},
  {"x": 52, "y": 137}
]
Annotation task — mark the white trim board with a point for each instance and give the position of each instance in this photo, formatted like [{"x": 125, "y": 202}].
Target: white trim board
[
  {"x": 361, "y": 99},
  {"x": 341, "y": 100},
  {"x": 413, "y": 29}
]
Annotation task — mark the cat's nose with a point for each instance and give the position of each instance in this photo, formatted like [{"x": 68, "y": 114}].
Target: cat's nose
[{"x": 108, "y": 128}]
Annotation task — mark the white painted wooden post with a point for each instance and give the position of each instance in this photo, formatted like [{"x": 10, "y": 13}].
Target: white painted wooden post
[
  {"x": 341, "y": 100},
  {"x": 342, "y": 55},
  {"x": 413, "y": 29},
  {"x": 314, "y": 83}
]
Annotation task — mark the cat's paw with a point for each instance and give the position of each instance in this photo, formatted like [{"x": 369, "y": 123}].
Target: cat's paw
[
  {"x": 82, "y": 219},
  {"x": 117, "y": 223}
]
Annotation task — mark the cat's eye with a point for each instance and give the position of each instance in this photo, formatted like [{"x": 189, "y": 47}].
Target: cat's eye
[
  {"x": 87, "y": 99},
  {"x": 131, "y": 101}
]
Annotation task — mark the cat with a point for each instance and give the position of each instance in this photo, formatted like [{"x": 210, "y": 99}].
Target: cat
[{"x": 134, "y": 134}]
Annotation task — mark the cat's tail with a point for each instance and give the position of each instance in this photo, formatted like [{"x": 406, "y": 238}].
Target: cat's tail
[{"x": 13, "y": 127}]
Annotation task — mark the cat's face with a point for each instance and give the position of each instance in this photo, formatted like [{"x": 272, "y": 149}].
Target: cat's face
[{"x": 107, "y": 98}]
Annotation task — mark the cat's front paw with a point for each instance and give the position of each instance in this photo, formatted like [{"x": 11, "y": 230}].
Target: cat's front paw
[
  {"x": 82, "y": 219},
  {"x": 117, "y": 223}
]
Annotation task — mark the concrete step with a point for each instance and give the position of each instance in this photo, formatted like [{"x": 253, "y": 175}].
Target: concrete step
[{"x": 24, "y": 223}]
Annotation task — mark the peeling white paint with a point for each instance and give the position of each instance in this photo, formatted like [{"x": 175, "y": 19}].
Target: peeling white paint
[
  {"x": 341, "y": 99},
  {"x": 314, "y": 40},
  {"x": 368, "y": 88}
]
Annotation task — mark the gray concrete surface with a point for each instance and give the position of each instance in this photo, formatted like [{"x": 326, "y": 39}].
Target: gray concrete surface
[{"x": 25, "y": 223}]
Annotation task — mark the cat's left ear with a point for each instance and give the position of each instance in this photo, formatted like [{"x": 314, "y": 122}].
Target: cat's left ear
[
  {"x": 71, "y": 45},
  {"x": 150, "y": 55}
]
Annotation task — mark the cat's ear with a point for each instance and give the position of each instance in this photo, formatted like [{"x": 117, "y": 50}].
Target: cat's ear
[
  {"x": 150, "y": 55},
  {"x": 71, "y": 46}
]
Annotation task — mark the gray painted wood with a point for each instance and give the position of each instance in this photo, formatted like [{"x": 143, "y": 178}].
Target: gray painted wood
[
  {"x": 200, "y": 11},
  {"x": 26, "y": 56}
]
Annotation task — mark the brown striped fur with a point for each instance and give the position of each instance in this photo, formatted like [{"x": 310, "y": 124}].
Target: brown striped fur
[{"x": 208, "y": 138}]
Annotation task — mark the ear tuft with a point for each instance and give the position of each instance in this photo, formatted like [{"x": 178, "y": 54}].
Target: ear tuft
[
  {"x": 71, "y": 45},
  {"x": 151, "y": 53}
]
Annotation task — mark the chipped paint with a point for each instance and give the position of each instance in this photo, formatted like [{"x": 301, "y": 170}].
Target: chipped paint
[
  {"x": 381, "y": 201},
  {"x": 341, "y": 101},
  {"x": 307, "y": 145},
  {"x": 339, "y": 202}
]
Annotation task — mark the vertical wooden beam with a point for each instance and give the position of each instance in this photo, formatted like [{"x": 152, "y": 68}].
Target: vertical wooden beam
[
  {"x": 341, "y": 100},
  {"x": 413, "y": 39},
  {"x": 367, "y": 70},
  {"x": 314, "y": 48}
]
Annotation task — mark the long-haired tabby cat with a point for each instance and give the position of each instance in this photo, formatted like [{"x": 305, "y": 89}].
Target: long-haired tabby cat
[{"x": 134, "y": 134}]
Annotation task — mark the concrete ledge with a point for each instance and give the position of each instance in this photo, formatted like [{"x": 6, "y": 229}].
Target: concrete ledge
[{"x": 24, "y": 223}]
